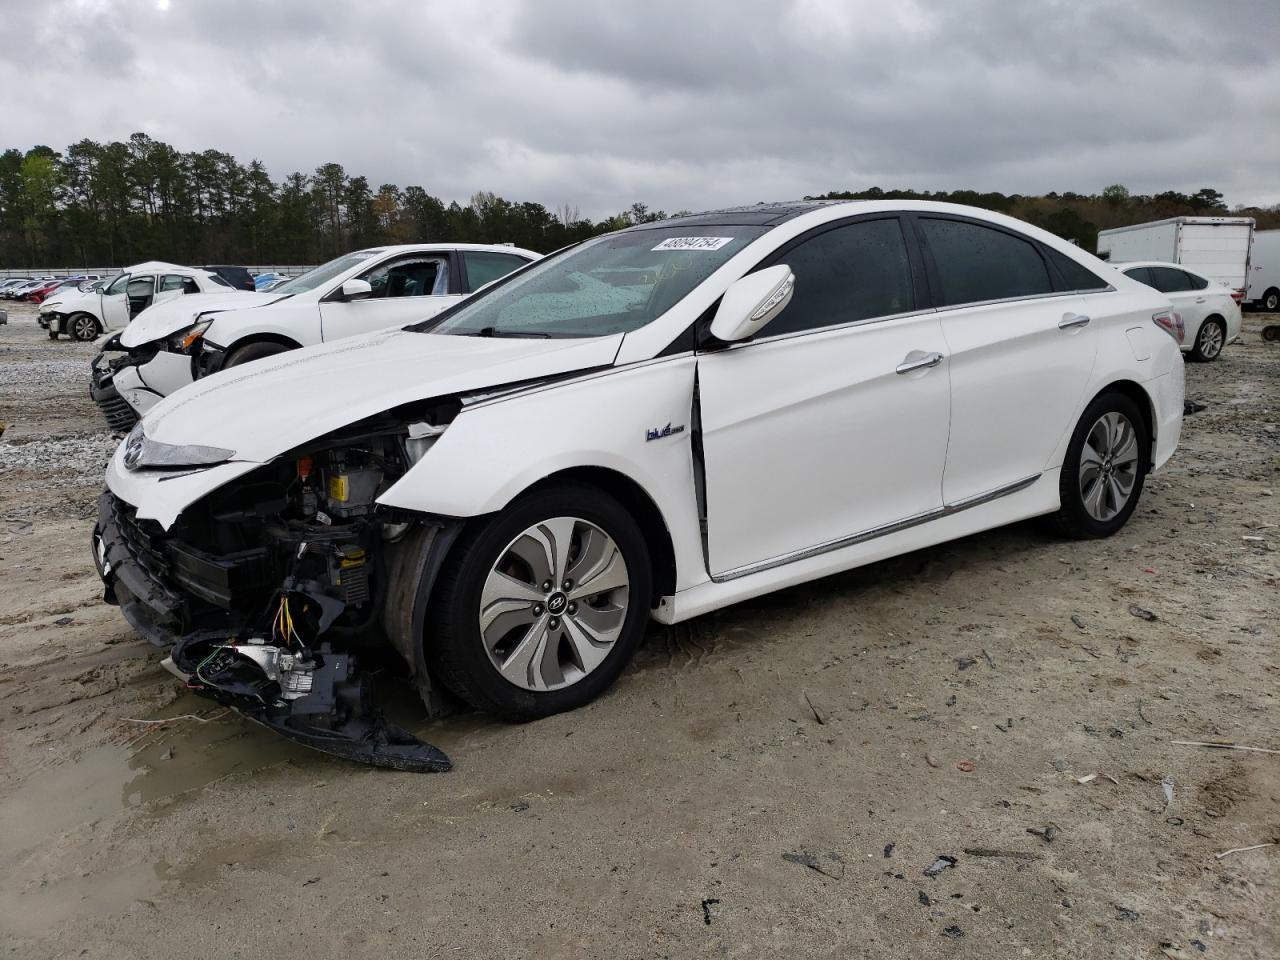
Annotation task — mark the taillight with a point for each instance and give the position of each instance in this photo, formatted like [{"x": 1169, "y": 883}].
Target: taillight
[
  {"x": 1170, "y": 321},
  {"x": 1237, "y": 296}
]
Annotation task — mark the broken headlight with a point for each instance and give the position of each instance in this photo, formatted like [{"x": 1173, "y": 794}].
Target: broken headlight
[
  {"x": 141, "y": 452},
  {"x": 184, "y": 339}
]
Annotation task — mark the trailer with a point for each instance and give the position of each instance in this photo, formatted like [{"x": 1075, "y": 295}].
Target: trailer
[
  {"x": 1217, "y": 247},
  {"x": 1264, "y": 272}
]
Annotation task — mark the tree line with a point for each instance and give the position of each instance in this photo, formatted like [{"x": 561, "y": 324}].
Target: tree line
[{"x": 115, "y": 203}]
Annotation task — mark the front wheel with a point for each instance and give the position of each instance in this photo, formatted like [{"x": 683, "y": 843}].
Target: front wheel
[
  {"x": 1209, "y": 340},
  {"x": 538, "y": 610},
  {"x": 1103, "y": 473},
  {"x": 253, "y": 351},
  {"x": 83, "y": 327}
]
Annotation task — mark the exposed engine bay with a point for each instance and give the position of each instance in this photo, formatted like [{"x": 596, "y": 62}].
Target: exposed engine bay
[{"x": 270, "y": 592}]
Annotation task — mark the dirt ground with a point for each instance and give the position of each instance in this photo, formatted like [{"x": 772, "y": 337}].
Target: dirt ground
[{"x": 769, "y": 781}]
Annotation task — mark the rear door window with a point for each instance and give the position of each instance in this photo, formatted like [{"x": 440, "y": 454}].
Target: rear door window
[
  {"x": 171, "y": 281},
  {"x": 1141, "y": 274},
  {"x": 975, "y": 263},
  {"x": 1169, "y": 280},
  {"x": 484, "y": 266}
]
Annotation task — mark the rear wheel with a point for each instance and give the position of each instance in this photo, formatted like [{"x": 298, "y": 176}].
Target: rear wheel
[
  {"x": 1104, "y": 470},
  {"x": 1271, "y": 301},
  {"x": 253, "y": 351},
  {"x": 83, "y": 327},
  {"x": 538, "y": 610},
  {"x": 1210, "y": 339}
]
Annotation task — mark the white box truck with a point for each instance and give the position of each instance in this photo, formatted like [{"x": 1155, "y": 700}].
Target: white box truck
[
  {"x": 1264, "y": 272},
  {"x": 1217, "y": 247}
]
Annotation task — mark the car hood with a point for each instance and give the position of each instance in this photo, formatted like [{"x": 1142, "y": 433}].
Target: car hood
[
  {"x": 273, "y": 405},
  {"x": 179, "y": 313},
  {"x": 64, "y": 301}
]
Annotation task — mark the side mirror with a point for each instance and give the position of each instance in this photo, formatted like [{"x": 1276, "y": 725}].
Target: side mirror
[
  {"x": 752, "y": 302},
  {"x": 356, "y": 289}
]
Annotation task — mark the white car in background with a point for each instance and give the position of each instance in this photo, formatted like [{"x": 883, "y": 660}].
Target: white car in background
[
  {"x": 657, "y": 422},
  {"x": 1210, "y": 314},
  {"x": 87, "y": 314},
  {"x": 360, "y": 292}
]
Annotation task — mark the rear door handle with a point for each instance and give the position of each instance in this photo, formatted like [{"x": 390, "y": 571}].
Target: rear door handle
[
  {"x": 920, "y": 362},
  {"x": 1200, "y": 299},
  {"x": 1071, "y": 320}
]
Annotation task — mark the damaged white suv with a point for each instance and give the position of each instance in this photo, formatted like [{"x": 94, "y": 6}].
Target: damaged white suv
[
  {"x": 176, "y": 343},
  {"x": 654, "y": 423}
]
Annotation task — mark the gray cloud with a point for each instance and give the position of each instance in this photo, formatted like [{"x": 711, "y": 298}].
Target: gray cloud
[{"x": 682, "y": 105}]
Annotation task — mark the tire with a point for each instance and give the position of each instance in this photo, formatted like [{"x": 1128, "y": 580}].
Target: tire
[
  {"x": 469, "y": 660},
  {"x": 83, "y": 327},
  {"x": 1210, "y": 339},
  {"x": 53, "y": 334},
  {"x": 1271, "y": 301},
  {"x": 1080, "y": 515},
  {"x": 252, "y": 351}
]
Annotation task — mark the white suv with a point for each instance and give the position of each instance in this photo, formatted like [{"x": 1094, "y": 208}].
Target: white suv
[{"x": 176, "y": 343}]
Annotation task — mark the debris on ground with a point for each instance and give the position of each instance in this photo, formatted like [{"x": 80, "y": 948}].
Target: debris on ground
[
  {"x": 1167, "y": 785},
  {"x": 954, "y": 932},
  {"x": 965, "y": 766},
  {"x": 1087, "y": 778},
  {"x": 1078, "y": 620},
  {"x": 1142, "y": 613},
  {"x": 1125, "y": 913},
  {"x": 1256, "y": 846},
  {"x": 707, "y": 904},
  {"x": 944, "y": 862},
  {"x": 834, "y": 869},
  {"x": 1045, "y": 833},
  {"x": 1191, "y": 406},
  {"x": 964, "y": 663},
  {"x": 1223, "y": 745},
  {"x": 818, "y": 715},
  {"x": 888, "y": 850},
  {"x": 1000, "y": 854}
]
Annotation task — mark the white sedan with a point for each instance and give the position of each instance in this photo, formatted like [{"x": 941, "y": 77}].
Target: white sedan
[
  {"x": 1210, "y": 314},
  {"x": 359, "y": 292},
  {"x": 655, "y": 423}
]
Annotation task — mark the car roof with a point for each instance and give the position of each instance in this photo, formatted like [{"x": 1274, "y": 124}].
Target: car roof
[
  {"x": 160, "y": 266},
  {"x": 435, "y": 247},
  {"x": 756, "y": 215},
  {"x": 1123, "y": 265}
]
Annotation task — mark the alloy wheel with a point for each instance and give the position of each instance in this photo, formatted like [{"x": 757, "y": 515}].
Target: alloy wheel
[
  {"x": 83, "y": 328},
  {"x": 1108, "y": 466},
  {"x": 1211, "y": 338},
  {"x": 554, "y": 604}
]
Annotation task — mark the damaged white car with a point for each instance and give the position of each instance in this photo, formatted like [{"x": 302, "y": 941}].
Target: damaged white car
[
  {"x": 655, "y": 423},
  {"x": 88, "y": 312},
  {"x": 359, "y": 292}
]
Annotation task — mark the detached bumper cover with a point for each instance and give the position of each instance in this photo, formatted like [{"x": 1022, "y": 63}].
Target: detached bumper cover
[{"x": 114, "y": 408}]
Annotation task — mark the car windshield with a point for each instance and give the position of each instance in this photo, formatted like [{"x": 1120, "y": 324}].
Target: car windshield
[
  {"x": 613, "y": 284},
  {"x": 322, "y": 274}
]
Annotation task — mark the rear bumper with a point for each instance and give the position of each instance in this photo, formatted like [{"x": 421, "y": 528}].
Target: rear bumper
[{"x": 1167, "y": 393}]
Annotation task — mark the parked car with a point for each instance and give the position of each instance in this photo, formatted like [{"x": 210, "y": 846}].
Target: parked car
[
  {"x": 85, "y": 315},
  {"x": 1210, "y": 314},
  {"x": 11, "y": 284},
  {"x": 58, "y": 287},
  {"x": 264, "y": 281},
  {"x": 356, "y": 293},
  {"x": 1264, "y": 272},
  {"x": 658, "y": 423},
  {"x": 238, "y": 277}
]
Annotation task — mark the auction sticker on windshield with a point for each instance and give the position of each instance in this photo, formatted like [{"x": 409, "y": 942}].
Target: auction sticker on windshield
[{"x": 693, "y": 243}]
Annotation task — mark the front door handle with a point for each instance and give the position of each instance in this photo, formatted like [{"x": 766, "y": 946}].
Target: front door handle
[
  {"x": 917, "y": 360},
  {"x": 1070, "y": 321},
  {"x": 1200, "y": 299}
]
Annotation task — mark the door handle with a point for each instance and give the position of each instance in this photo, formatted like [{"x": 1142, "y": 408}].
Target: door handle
[
  {"x": 1070, "y": 321},
  {"x": 1199, "y": 299},
  {"x": 919, "y": 363}
]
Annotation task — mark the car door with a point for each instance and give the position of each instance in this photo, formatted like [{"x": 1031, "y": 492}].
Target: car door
[
  {"x": 114, "y": 304},
  {"x": 1020, "y": 352},
  {"x": 1181, "y": 290},
  {"x": 405, "y": 288},
  {"x": 832, "y": 423}
]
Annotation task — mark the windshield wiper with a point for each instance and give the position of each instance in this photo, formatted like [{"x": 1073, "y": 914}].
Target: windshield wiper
[{"x": 510, "y": 334}]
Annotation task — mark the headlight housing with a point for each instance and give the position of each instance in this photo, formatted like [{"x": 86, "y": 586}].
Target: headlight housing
[
  {"x": 141, "y": 452},
  {"x": 185, "y": 339}
]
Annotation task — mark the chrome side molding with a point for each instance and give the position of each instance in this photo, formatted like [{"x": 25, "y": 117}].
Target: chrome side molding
[{"x": 883, "y": 530}]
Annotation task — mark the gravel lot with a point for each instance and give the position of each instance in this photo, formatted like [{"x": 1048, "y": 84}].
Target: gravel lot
[{"x": 772, "y": 780}]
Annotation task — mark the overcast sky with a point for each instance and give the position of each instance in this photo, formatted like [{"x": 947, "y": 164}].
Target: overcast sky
[{"x": 679, "y": 103}]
